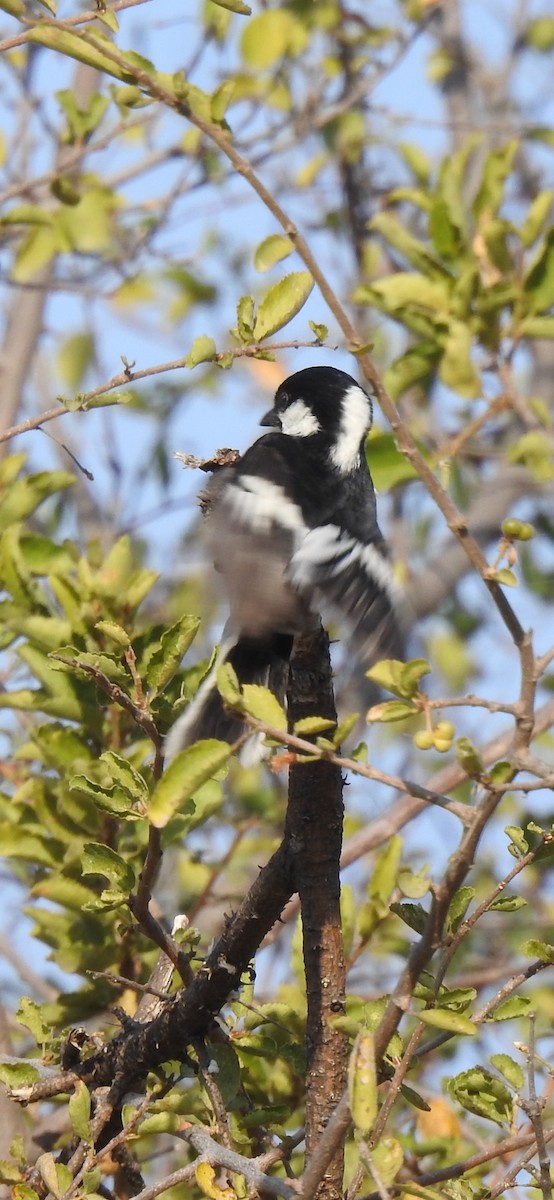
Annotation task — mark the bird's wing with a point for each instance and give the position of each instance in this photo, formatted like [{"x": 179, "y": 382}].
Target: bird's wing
[
  {"x": 356, "y": 581},
  {"x": 252, "y": 530}
]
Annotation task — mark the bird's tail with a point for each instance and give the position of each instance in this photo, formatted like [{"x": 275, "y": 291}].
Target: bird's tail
[{"x": 263, "y": 661}]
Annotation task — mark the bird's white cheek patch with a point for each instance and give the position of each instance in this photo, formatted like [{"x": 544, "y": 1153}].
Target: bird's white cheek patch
[
  {"x": 355, "y": 422},
  {"x": 258, "y": 504},
  {"x": 299, "y": 421}
]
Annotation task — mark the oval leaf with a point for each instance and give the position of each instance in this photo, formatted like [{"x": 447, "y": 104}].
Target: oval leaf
[
  {"x": 184, "y": 775},
  {"x": 281, "y": 303}
]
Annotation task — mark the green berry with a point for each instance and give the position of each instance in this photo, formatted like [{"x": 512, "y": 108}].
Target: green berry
[
  {"x": 520, "y": 531},
  {"x": 423, "y": 739},
  {"x": 442, "y": 744},
  {"x": 445, "y": 730}
]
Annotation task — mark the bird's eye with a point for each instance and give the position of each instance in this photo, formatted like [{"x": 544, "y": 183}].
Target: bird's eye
[{"x": 284, "y": 398}]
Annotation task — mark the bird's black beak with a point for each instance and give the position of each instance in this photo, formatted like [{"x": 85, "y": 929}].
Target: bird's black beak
[{"x": 271, "y": 418}]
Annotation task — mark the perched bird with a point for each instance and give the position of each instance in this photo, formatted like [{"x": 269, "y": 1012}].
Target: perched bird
[{"x": 292, "y": 528}]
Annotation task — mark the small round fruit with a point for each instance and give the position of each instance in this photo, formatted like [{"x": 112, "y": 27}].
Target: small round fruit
[
  {"x": 445, "y": 729},
  {"x": 442, "y": 744},
  {"x": 423, "y": 739},
  {"x": 521, "y": 531}
]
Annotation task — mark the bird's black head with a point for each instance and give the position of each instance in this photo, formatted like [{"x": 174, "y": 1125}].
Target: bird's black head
[{"x": 328, "y": 402}]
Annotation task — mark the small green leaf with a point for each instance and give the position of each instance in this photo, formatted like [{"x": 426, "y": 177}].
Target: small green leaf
[
  {"x": 413, "y": 915},
  {"x": 362, "y": 1084},
  {"x": 281, "y": 303},
  {"x": 183, "y": 777},
  {"x": 260, "y": 703},
  {"x": 458, "y": 907},
  {"x": 507, "y": 904},
  {"x": 236, "y": 6},
  {"x": 514, "y": 1006},
  {"x": 533, "y": 948},
  {"x": 468, "y": 757},
  {"x": 537, "y": 216},
  {"x": 390, "y": 710},
  {"x": 445, "y": 1018},
  {"x": 311, "y": 725},
  {"x": 269, "y": 36},
  {"x": 519, "y": 841},
  {"x": 56, "y": 1175},
  {"x": 18, "y": 1075},
  {"x": 102, "y": 860},
  {"x": 509, "y": 1069},
  {"x": 272, "y": 250},
  {"x": 174, "y": 645},
  {"x": 29, "y": 1014},
  {"x": 79, "y": 1111},
  {"x": 229, "y": 686},
  {"x": 480, "y": 1092},
  {"x": 387, "y": 465},
  {"x": 203, "y": 349}
]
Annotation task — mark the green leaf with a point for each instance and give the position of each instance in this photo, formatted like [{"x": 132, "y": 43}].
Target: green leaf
[
  {"x": 384, "y": 874},
  {"x": 498, "y": 165},
  {"x": 387, "y": 465},
  {"x": 18, "y": 1075},
  {"x": 15, "y": 8},
  {"x": 102, "y": 860},
  {"x": 390, "y": 710},
  {"x": 539, "y": 282},
  {"x": 509, "y": 1069},
  {"x": 362, "y": 1084},
  {"x": 272, "y": 250},
  {"x": 413, "y": 915},
  {"x": 507, "y": 904},
  {"x": 203, "y": 349},
  {"x": 514, "y": 1006},
  {"x": 480, "y": 1092},
  {"x": 456, "y": 368},
  {"x": 260, "y": 703},
  {"x": 413, "y": 884},
  {"x": 310, "y": 725},
  {"x": 79, "y": 1111},
  {"x": 173, "y": 646},
  {"x": 282, "y": 302},
  {"x": 236, "y": 6},
  {"x": 396, "y": 234},
  {"x": 388, "y": 1157},
  {"x": 183, "y": 777},
  {"x": 74, "y": 356},
  {"x": 539, "y": 213},
  {"x": 445, "y": 1018},
  {"x": 30, "y": 1015},
  {"x": 534, "y": 948},
  {"x": 24, "y": 496},
  {"x": 229, "y": 686},
  {"x": 458, "y": 907},
  {"x": 405, "y": 288},
  {"x": 271, "y": 35},
  {"x": 56, "y": 1175},
  {"x": 71, "y": 45},
  {"x": 519, "y": 841},
  {"x": 468, "y": 757}
]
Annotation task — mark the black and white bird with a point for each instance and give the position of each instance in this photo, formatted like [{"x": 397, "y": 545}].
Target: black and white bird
[{"x": 292, "y": 528}]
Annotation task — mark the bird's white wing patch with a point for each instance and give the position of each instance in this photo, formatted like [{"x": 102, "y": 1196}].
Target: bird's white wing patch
[
  {"x": 298, "y": 420},
  {"x": 355, "y": 422},
  {"x": 257, "y": 504},
  {"x": 357, "y": 581}
]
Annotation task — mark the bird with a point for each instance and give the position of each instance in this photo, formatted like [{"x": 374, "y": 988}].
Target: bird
[{"x": 292, "y": 529}]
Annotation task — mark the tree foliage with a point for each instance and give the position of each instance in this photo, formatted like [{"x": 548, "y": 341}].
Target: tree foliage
[{"x": 181, "y": 214}]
